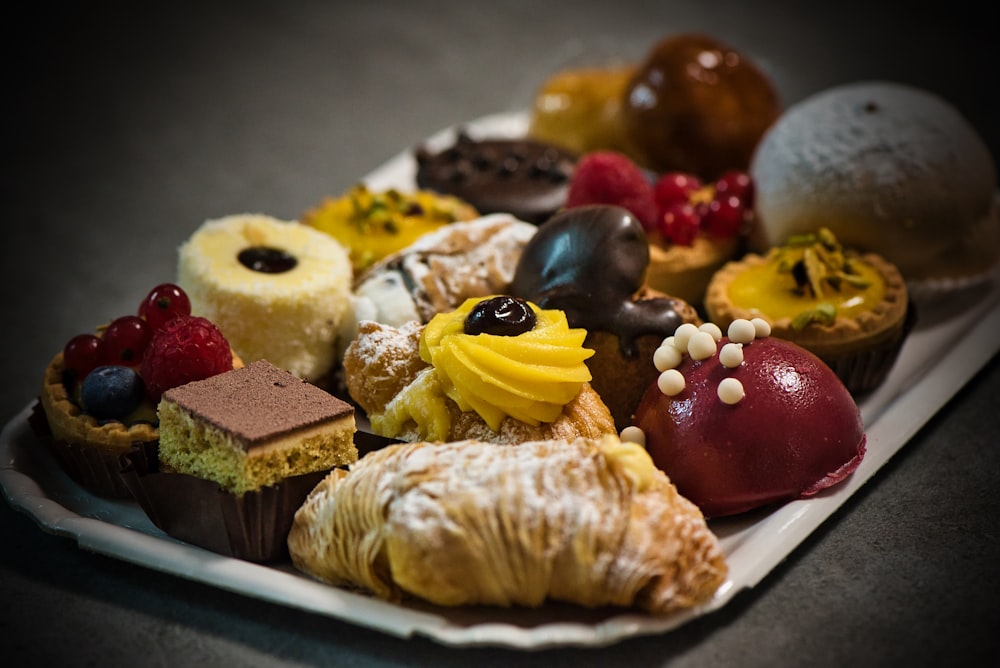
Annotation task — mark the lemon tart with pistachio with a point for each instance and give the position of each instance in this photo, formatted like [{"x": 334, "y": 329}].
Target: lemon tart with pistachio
[{"x": 849, "y": 309}]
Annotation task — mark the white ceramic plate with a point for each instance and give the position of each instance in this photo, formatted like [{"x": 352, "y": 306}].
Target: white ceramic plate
[{"x": 950, "y": 343}]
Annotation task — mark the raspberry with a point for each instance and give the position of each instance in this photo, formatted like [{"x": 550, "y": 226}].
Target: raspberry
[
  {"x": 608, "y": 177},
  {"x": 185, "y": 349}
]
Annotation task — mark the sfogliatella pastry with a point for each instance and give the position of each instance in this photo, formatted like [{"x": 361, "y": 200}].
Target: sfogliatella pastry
[
  {"x": 590, "y": 262},
  {"x": 587, "y": 521},
  {"x": 277, "y": 289},
  {"x": 497, "y": 369},
  {"x": 850, "y": 309},
  {"x": 747, "y": 420},
  {"x": 523, "y": 177},
  {"x": 374, "y": 224},
  {"x": 889, "y": 169},
  {"x": 237, "y": 455}
]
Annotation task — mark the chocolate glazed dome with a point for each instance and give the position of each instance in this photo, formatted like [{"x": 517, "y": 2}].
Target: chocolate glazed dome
[{"x": 590, "y": 262}]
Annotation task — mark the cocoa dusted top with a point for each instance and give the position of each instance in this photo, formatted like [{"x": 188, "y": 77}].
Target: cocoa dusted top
[
  {"x": 258, "y": 402},
  {"x": 590, "y": 261},
  {"x": 526, "y": 178}
]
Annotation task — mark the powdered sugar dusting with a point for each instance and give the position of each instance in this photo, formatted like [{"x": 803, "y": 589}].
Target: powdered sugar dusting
[{"x": 468, "y": 522}]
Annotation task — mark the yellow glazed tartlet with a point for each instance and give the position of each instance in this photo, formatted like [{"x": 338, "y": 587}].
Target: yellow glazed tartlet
[
  {"x": 374, "y": 224},
  {"x": 850, "y": 310}
]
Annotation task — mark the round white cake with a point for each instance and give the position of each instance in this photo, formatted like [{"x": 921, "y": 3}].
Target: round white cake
[
  {"x": 277, "y": 289},
  {"x": 888, "y": 168}
]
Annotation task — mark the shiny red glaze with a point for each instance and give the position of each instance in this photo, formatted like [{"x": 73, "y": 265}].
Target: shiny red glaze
[{"x": 797, "y": 430}]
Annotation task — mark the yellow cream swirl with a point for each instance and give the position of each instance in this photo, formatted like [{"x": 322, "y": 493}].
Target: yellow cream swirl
[{"x": 529, "y": 377}]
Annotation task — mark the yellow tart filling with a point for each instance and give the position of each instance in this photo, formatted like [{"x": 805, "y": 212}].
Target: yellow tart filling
[{"x": 810, "y": 279}]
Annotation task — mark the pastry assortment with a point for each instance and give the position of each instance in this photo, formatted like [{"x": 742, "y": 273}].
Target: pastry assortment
[
  {"x": 99, "y": 394},
  {"x": 566, "y": 353}
]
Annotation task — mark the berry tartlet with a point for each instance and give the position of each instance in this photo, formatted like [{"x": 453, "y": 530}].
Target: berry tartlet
[
  {"x": 99, "y": 394},
  {"x": 746, "y": 420},
  {"x": 850, "y": 309},
  {"x": 693, "y": 228}
]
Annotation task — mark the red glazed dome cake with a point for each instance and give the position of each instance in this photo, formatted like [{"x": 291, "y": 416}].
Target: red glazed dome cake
[{"x": 747, "y": 420}]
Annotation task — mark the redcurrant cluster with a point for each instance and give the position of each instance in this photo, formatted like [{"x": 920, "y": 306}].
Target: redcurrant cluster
[
  {"x": 674, "y": 206},
  {"x": 688, "y": 206},
  {"x": 124, "y": 341}
]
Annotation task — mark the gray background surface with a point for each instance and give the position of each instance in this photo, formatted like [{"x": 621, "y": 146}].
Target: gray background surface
[{"x": 126, "y": 127}]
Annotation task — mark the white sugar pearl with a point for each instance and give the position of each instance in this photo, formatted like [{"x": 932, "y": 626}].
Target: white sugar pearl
[
  {"x": 761, "y": 327},
  {"x": 712, "y": 329},
  {"x": 666, "y": 357},
  {"x": 670, "y": 382},
  {"x": 683, "y": 334},
  {"x": 633, "y": 435},
  {"x": 731, "y": 391},
  {"x": 701, "y": 346},
  {"x": 742, "y": 331},
  {"x": 731, "y": 355},
  {"x": 669, "y": 341}
]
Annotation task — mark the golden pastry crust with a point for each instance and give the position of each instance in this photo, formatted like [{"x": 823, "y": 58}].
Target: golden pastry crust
[
  {"x": 70, "y": 424},
  {"x": 591, "y": 522},
  {"x": 685, "y": 271},
  {"x": 383, "y": 360}
]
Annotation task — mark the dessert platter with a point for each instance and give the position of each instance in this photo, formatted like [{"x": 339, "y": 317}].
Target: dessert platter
[
  {"x": 425, "y": 410},
  {"x": 936, "y": 361}
]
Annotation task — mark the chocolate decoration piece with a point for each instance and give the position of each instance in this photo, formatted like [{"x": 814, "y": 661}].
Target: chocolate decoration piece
[
  {"x": 589, "y": 262},
  {"x": 523, "y": 177}
]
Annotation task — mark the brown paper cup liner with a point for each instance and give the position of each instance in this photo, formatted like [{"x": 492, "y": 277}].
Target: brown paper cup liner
[
  {"x": 93, "y": 467},
  {"x": 253, "y": 526},
  {"x": 863, "y": 371}
]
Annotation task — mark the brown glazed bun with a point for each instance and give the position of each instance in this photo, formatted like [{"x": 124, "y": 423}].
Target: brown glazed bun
[
  {"x": 697, "y": 105},
  {"x": 590, "y": 262}
]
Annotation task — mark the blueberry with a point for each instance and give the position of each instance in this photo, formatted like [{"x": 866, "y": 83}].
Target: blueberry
[{"x": 111, "y": 392}]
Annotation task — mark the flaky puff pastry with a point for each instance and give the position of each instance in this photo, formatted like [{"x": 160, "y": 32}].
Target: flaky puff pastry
[
  {"x": 586, "y": 521},
  {"x": 383, "y": 360}
]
